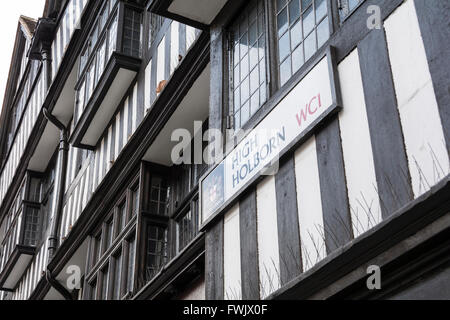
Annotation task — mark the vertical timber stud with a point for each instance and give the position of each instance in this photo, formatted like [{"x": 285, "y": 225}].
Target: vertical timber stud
[
  {"x": 434, "y": 26},
  {"x": 287, "y": 218},
  {"x": 214, "y": 262},
  {"x": 140, "y": 96},
  {"x": 216, "y": 105},
  {"x": 214, "y": 236},
  {"x": 335, "y": 206},
  {"x": 391, "y": 165},
  {"x": 249, "y": 246}
]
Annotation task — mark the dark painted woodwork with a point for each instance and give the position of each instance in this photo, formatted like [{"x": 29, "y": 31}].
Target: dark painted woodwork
[
  {"x": 287, "y": 221},
  {"x": 333, "y": 187},
  {"x": 216, "y": 110},
  {"x": 391, "y": 166},
  {"x": 403, "y": 225},
  {"x": 214, "y": 268},
  {"x": 433, "y": 21},
  {"x": 249, "y": 246}
]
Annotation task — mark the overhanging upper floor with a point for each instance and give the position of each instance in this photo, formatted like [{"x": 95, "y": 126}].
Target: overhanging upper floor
[
  {"x": 182, "y": 10},
  {"x": 109, "y": 62}
]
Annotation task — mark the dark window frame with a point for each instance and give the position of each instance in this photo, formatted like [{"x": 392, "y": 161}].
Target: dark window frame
[
  {"x": 119, "y": 225},
  {"x": 119, "y": 243},
  {"x": 107, "y": 260}
]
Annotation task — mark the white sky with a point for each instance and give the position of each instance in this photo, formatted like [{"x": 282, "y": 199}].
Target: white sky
[{"x": 9, "y": 17}]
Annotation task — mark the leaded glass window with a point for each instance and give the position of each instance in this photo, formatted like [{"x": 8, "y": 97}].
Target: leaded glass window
[
  {"x": 158, "y": 196},
  {"x": 156, "y": 249},
  {"x": 302, "y": 28},
  {"x": 187, "y": 226},
  {"x": 248, "y": 63}
]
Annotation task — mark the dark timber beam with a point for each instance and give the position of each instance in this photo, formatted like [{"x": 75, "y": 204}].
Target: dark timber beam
[
  {"x": 391, "y": 165},
  {"x": 249, "y": 246},
  {"x": 214, "y": 269},
  {"x": 287, "y": 220},
  {"x": 333, "y": 187},
  {"x": 434, "y": 17}
]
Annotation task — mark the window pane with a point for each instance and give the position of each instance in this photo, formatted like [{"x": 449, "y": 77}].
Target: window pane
[
  {"x": 254, "y": 80},
  {"x": 305, "y": 4},
  {"x": 248, "y": 63},
  {"x": 117, "y": 276},
  {"x": 159, "y": 196},
  {"x": 294, "y": 11},
  {"x": 254, "y": 59},
  {"x": 284, "y": 47},
  {"x": 302, "y": 43},
  {"x": 323, "y": 32},
  {"x": 104, "y": 278},
  {"x": 245, "y": 112},
  {"x": 310, "y": 45},
  {"x": 245, "y": 93},
  {"x": 352, "y": 4},
  {"x": 321, "y": 9},
  {"x": 297, "y": 58},
  {"x": 308, "y": 21},
  {"x": 135, "y": 201},
  {"x": 280, "y": 4},
  {"x": 108, "y": 235},
  {"x": 244, "y": 67},
  {"x": 131, "y": 258},
  {"x": 296, "y": 34},
  {"x": 253, "y": 33},
  {"x": 237, "y": 119},
  {"x": 285, "y": 71},
  {"x": 122, "y": 217},
  {"x": 254, "y": 103},
  {"x": 97, "y": 249},
  {"x": 156, "y": 250},
  {"x": 282, "y": 21},
  {"x": 187, "y": 229}
]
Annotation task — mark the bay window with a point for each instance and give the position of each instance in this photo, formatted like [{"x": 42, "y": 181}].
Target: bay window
[
  {"x": 110, "y": 59},
  {"x": 113, "y": 250}
]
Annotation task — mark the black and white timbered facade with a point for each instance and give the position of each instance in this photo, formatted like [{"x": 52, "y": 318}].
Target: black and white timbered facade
[{"x": 329, "y": 124}]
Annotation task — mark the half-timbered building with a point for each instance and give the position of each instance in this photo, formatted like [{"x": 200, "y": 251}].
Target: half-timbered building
[{"x": 328, "y": 123}]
